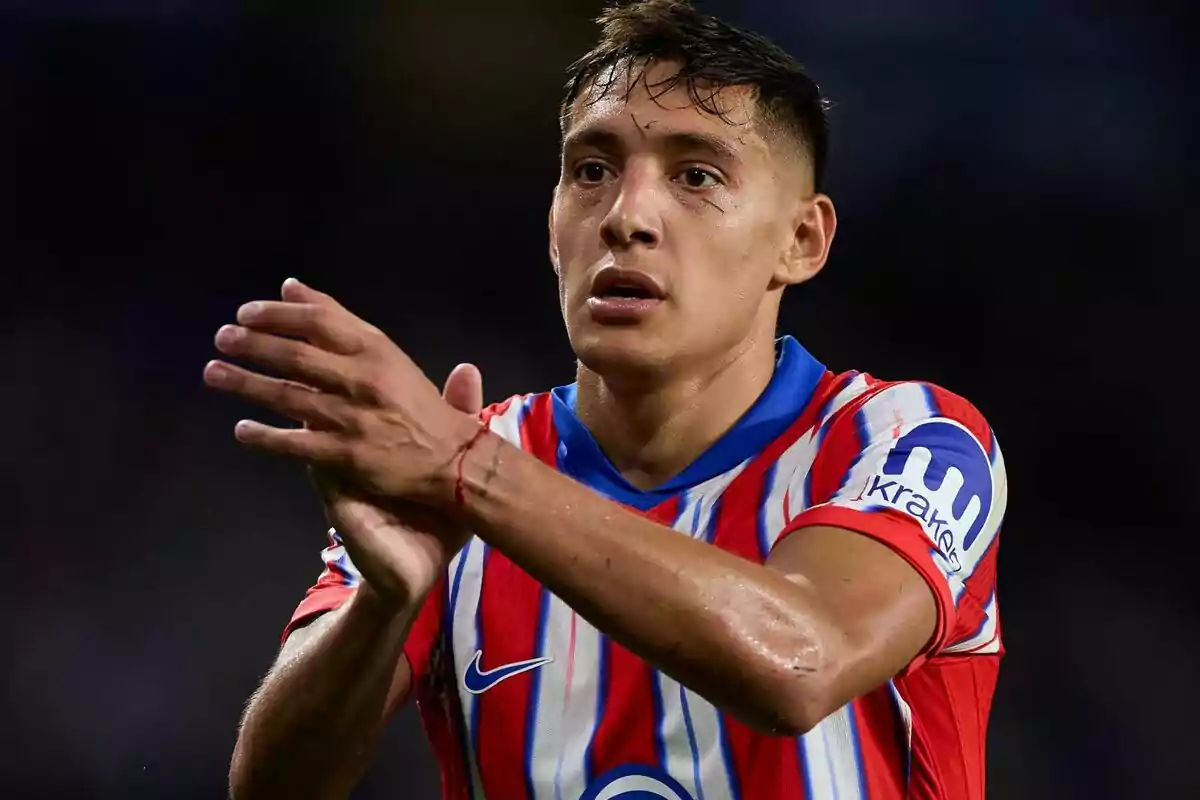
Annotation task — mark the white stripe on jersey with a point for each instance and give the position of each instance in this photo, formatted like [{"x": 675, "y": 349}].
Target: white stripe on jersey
[
  {"x": 690, "y": 727},
  {"x": 565, "y": 714},
  {"x": 792, "y": 469},
  {"x": 905, "y": 717},
  {"x": 465, "y": 582},
  {"x": 831, "y": 762},
  {"x": 697, "y": 505},
  {"x": 337, "y": 560}
]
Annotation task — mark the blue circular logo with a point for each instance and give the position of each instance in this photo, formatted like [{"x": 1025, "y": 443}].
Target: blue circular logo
[{"x": 636, "y": 782}]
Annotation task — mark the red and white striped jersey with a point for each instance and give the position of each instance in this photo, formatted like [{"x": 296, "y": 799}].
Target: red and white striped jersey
[{"x": 523, "y": 699}]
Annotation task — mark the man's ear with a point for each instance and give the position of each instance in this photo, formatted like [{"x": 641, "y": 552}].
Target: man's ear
[
  {"x": 813, "y": 228},
  {"x": 553, "y": 239}
]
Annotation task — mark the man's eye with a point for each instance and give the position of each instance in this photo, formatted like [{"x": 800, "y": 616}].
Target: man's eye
[
  {"x": 697, "y": 178},
  {"x": 590, "y": 172}
]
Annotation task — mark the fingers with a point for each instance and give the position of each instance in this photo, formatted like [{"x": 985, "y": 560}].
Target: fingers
[
  {"x": 293, "y": 291},
  {"x": 331, "y": 329},
  {"x": 314, "y": 446},
  {"x": 464, "y": 389},
  {"x": 291, "y": 358},
  {"x": 301, "y": 403}
]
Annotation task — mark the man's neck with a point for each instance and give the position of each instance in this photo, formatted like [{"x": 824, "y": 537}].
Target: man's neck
[{"x": 651, "y": 435}]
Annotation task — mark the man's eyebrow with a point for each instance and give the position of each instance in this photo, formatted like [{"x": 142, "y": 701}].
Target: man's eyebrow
[
  {"x": 607, "y": 140},
  {"x": 599, "y": 138}
]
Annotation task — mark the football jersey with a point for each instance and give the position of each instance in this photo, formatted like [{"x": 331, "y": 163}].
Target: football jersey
[{"x": 523, "y": 699}]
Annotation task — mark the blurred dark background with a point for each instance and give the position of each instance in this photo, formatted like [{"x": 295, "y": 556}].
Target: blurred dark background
[{"x": 1013, "y": 180}]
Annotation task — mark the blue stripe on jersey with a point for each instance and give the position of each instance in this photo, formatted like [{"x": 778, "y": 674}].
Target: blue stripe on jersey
[
  {"x": 452, "y": 604},
  {"x": 902, "y": 735},
  {"x": 864, "y": 439},
  {"x": 691, "y": 732},
  {"x": 710, "y": 530},
  {"x": 448, "y": 638},
  {"x": 935, "y": 409},
  {"x": 791, "y": 388},
  {"x": 760, "y": 516},
  {"x": 539, "y": 636},
  {"x": 535, "y": 685},
  {"x": 825, "y": 421},
  {"x": 856, "y": 743},
  {"x": 834, "y": 392},
  {"x": 339, "y": 566},
  {"x": 478, "y": 704},
  {"x": 805, "y": 772}
]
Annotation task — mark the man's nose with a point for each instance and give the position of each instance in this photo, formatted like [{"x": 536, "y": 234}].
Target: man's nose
[{"x": 636, "y": 214}]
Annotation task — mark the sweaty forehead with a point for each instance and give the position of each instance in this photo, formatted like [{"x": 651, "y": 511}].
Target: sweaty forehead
[{"x": 639, "y": 101}]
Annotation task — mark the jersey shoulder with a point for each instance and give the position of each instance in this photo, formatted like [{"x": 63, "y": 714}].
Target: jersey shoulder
[
  {"x": 877, "y": 407},
  {"x": 527, "y": 421}
]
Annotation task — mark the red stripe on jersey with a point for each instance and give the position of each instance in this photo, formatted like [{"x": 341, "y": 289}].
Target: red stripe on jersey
[
  {"x": 627, "y": 734},
  {"x": 538, "y": 435},
  {"x": 509, "y": 609},
  {"x": 951, "y": 699},
  {"x": 827, "y": 388},
  {"x": 742, "y": 501},
  {"x": 511, "y": 636},
  {"x": 442, "y": 719},
  {"x": 882, "y": 748},
  {"x": 426, "y": 631},
  {"x": 318, "y": 600},
  {"x": 498, "y": 409},
  {"x": 841, "y": 447},
  {"x": 764, "y": 766}
]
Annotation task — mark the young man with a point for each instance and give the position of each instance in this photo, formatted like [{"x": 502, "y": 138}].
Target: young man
[{"x": 708, "y": 569}]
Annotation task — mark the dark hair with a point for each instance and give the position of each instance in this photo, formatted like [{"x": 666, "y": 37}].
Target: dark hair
[{"x": 711, "y": 55}]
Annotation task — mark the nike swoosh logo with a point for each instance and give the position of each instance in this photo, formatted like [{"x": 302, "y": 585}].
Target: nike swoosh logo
[{"x": 478, "y": 681}]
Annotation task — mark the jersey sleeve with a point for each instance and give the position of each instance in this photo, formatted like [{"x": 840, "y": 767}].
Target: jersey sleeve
[
  {"x": 918, "y": 469},
  {"x": 338, "y": 580}
]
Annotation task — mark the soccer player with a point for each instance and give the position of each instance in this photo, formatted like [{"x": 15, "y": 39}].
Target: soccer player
[{"x": 710, "y": 568}]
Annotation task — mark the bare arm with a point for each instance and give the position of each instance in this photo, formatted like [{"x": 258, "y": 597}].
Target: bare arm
[
  {"x": 312, "y": 727},
  {"x": 833, "y": 615}
]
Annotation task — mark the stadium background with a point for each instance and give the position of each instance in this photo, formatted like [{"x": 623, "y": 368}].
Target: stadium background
[{"x": 1012, "y": 183}]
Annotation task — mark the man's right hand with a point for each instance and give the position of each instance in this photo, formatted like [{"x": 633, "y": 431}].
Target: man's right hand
[{"x": 400, "y": 549}]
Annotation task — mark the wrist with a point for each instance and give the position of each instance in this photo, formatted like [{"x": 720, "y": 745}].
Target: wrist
[
  {"x": 450, "y": 487},
  {"x": 368, "y": 603},
  {"x": 478, "y": 467}
]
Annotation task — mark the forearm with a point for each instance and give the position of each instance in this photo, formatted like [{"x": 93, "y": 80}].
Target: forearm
[
  {"x": 745, "y": 636},
  {"x": 311, "y": 729}
]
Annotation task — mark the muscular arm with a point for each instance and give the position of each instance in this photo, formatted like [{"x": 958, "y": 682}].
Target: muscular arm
[
  {"x": 833, "y": 614},
  {"x": 312, "y": 727}
]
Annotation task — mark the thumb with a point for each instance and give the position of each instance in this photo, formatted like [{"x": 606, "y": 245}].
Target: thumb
[{"x": 464, "y": 389}]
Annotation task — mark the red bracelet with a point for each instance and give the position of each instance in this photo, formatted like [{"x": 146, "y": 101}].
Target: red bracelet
[{"x": 459, "y": 498}]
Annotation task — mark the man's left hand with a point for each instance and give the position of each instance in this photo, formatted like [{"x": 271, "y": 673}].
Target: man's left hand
[{"x": 369, "y": 412}]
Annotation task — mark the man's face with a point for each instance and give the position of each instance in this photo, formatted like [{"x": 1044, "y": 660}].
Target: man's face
[{"x": 670, "y": 227}]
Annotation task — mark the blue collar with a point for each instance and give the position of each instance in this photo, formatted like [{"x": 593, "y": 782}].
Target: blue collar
[{"x": 787, "y": 395}]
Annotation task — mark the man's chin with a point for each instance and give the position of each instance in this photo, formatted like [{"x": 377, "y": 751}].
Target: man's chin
[{"x": 620, "y": 352}]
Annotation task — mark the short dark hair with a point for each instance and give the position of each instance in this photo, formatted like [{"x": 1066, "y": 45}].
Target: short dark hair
[{"x": 711, "y": 55}]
